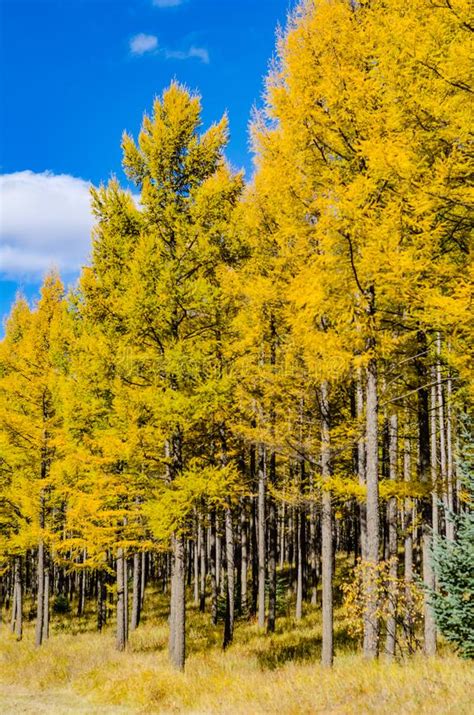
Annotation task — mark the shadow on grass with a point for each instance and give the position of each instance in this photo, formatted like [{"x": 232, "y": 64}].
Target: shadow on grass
[
  {"x": 72, "y": 624},
  {"x": 150, "y": 644},
  {"x": 297, "y": 647}
]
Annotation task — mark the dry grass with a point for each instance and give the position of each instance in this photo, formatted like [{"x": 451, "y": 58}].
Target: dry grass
[{"x": 81, "y": 672}]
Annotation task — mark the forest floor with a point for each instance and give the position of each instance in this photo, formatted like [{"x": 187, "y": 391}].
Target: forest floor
[{"x": 79, "y": 671}]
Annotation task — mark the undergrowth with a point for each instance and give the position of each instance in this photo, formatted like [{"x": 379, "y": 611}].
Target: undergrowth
[{"x": 79, "y": 670}]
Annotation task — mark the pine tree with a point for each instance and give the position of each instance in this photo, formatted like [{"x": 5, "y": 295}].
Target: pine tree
[{"x": 453, "y": 562}]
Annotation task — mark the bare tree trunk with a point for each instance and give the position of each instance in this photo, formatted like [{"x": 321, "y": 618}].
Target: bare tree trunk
[
  {"x": 196, "y": 547},
  {"x": 101, "y": 602},
  {"x": 282, "y": 535},
  {"x": 143, "y": 579},
  {"x": 177, "y": 640},
  {"x": 40, "y": 596},
  {"x": 13, "y": 617},
  {"x": 429, "y": 581},
  {"x": 244, "y": 559},
  {"x": 82, "y": 586},
  {"x": 218, "y": 553},
  {"x": 425, "y": 474},
  {"x": 83, "y": 582},
  {"x": 272, "y": 550},
  {"x": 261, "y": 534},
  {"x": 253, "y": 548},
  {"x": 80, "y": 592},
  {"x": 327, "y": 653},
  {"x": 45, "y": 634},
  {"x": 442, "y": 439},
  {"x": 392, "y": 540},
  {"x": 427, "y": 537},
  {"x": 292, "y": 548},
  {"x": 121, "y": 639},
  {"x": 230, "y": 594},
  {"x": 371, "y": 636},
  {"x": 17, "y": 619},
  {"x": 299, "y": 566},
  {"x": 272, "y": 511},
  {"x": 212, "y": 560},
  {"x": 450, "y": 524},
  {"x": 408, "y": 523},
  {"x": 136, "y": 596},
  {"x": 202, "y": 568},
  {"x": 177, "y": 619},
  {"x": 125, "y": 592},
  {"x": 254, "y": 553},
  {"x": 312, "y": 545},
  {"x": 429, "y": 576},
  {"x": 361, "y": 464},
  {"x": 434, "y": 458}
]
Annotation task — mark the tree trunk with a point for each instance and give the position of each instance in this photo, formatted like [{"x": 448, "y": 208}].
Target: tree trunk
[
  {"x": 299, "y": 566},
  {"x": 282, "y": 535},
  {"x": 425, "y": 474},
  {"x": 392, "y": 540},
  {"x": 230, "y": 593},
  {"x": 450, "y": 524},
  {"x": 292, "y": 548},
  {"x": 218, "y": 553},
  {"x": 361, "y": 464},
  {"x": 143, "y": 579},
  {"x": 261, "y": 535},
  {"x": 101, "y": 601},
  {"x": 125, "y": 591},
  {"x": 434, "y": 458},
  {"x": 212, "y": 560},
  {"x": 408, "y": 522},
  {"x": 427, "y": 537},
  {"x": 252, "y": 540},
  {"x": 40, "y": 596},
  {"x": 136, "y": 596},
  {"x": 7, "y": 588},
  {"x": 196, "y": 547},
  {"x": 45, "y": 634},
  {"x": 82, "y": 586},
  {"x": 361, "y": 467},
  {"x": 17, "y": 620},
  {"x": 272, "y": 549},
  {"x": 371, "y": 635},
  {"x": 272, "y": 510},
  {"x": 121, "y": 633},
  {"x": 442, "y": 442},
  {"x": 429, "y": 582},
  {"x": 313, "y": 555},
  {"x": 177, "y": 640},
  {"x": 202, "y": 568},
  {"x": 327, "y": 653},
  {"x": 244, "y": 559}
]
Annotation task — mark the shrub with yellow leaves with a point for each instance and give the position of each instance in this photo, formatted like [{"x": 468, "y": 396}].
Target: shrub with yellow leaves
[{"x": 395, "y": 596}]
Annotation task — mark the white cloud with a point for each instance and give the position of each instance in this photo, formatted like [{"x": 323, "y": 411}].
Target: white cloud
[
  {"x": 141, "y": 43},
  {"x": 199, "y": 53},
  {"x": 167, "y": 3},
  {"x": 45, "y": 221}
]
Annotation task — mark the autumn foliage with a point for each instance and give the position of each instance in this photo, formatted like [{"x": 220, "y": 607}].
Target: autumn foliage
[{"x": 251, "y": 378}]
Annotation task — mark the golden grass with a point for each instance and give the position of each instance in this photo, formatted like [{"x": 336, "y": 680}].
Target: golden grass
[{"x": 82, "y": 672}]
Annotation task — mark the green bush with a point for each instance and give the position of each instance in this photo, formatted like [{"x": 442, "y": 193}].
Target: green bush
[{"x": 61, "y": 604}]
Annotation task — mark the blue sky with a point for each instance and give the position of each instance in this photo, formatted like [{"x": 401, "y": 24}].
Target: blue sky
[{"x": 76, "y": 73}]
